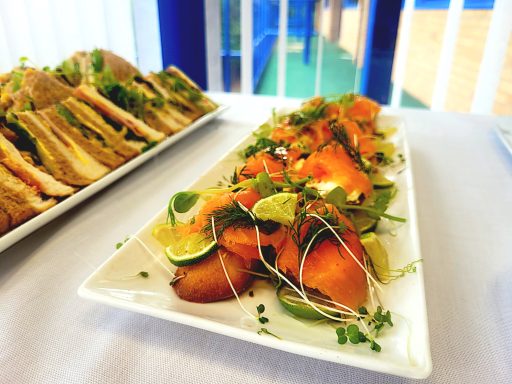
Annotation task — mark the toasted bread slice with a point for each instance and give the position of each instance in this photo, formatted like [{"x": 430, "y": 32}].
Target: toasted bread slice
[
  {"x": 40, "y": 89},
  {"x": 161, "y": 115},
  {"x": 12, "y": 159},
  {"x": 204, "y": 102},
  {"x": 177, "y": 93},
  {"x": 87, "y": 63},
  {"x": 58, "y": 117},
  {"x": 138, "y": 127},
  {"x": 63, "y": 158},
  {"x": 19, "y": 201},
  {"x": 5, "y": 221}
]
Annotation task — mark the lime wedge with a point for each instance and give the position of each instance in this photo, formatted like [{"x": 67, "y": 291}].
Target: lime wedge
[
  {"x": 294, "y": 304},
  {"x": 279, "y": 208},
  {"x": 378, "y": 255},
  {"x": 380, "y": 181},
  {"x": 387, "y": 132},
  {"x": 166, "y": 234},
  {"x": 386, "y": 148},
  {"x": 190, "y": 249}
]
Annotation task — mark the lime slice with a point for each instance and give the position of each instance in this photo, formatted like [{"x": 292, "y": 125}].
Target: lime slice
[
  {"x": 380, "y": 181},
  {"x": 166, "y": 234},
  {"x": 190, "y": 249},
  {"x": 378, "y": 255},
  {"x": 294, "y": 304},
  {"x": 279, "y": 208},
  {"x": 363, "y": 222},
  {"x": 386, "y": 148},
  {"x": 387, "y": 132}
]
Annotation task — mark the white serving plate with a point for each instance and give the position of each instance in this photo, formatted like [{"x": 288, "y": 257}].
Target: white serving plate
[
  {"x": 38, "y": 221},
  {"x": 405, "y": 347},
  {"x": 504, "y": 131}
]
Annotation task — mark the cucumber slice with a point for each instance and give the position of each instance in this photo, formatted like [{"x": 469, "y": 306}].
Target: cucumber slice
[
  {"x": 190, "y": 249},
  {"x": 363, "y": 222},
  {"x": 380, "y": 181},
  {"x": 378, "y": 255}
]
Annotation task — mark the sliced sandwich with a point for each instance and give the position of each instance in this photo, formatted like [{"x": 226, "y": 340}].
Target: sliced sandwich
[
  {"x": 35, "y": 89},
  {"x": 112, "y": 133},
  {"x": 191, "y": 90},
  {"x": 118, "y": 81},
  {"x": 82, "y": 67},
  {"x": 119, "y": 115},
  {"x": 13, "y": 160},
  {"x": 18, "y": 201},
  {"x": 58, "y": 116},
  {"x": 60, "y": 155}
]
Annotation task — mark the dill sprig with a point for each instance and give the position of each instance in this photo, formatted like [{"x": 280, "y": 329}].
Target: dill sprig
[
  {"x": 341, "y": 137},
  {"x": 316, "y": 232},
  {"x": 229, "y": 215}
]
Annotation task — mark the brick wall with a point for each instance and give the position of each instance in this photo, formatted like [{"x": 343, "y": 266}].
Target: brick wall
[{"x": 426, "y": 37}]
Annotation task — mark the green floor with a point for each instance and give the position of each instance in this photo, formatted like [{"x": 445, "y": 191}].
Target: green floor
[{"x": 338, "y": 73}]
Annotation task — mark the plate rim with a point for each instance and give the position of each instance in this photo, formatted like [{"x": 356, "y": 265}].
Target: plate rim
[
  {"x": 501, "y": 131},
  {"x": 345, "y": 358},
  {"x": 20, "y": 232}
]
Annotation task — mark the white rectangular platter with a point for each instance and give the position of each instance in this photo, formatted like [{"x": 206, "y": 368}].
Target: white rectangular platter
[
  {"x": 405, "y": 346},
  {"x": 504, "y": 131},
  {"x": 31, "y": 225}
]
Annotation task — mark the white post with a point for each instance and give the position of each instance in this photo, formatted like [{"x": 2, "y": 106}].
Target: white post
[
  {"x": 493, "y": 58},
  {"x": 146, "y": 26},
  {"x": 320, "y": 52},
  {"x": 447, "y": 52},
  {"x": 401, "y": 54},
  {"x": 281, "y": 48},
  {"x": 246, "y": 85},
  {"x": 213, "y": 44}
]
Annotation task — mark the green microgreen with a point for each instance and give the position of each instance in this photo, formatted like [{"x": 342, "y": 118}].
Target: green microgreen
[
  {"x": 376, "y": 210},
  {"x": 353, "y": 334},
  {"x": 16, "y": 78},
  {"x": 121, "y": 243},
  {"x": 96, "y": 60},
  {"x": 260, "y": 309},
  {"x": 148, "y": 146},
  {"x": 181, "y": 202},
  {"x": 393, "y": 274},
  {"x": 264, "y": 144},
  {"x": 265, "y": 331},
  {"x": 175, "y": 279}
]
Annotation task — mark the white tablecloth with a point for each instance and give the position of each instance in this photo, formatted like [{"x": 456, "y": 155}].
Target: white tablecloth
[{"x": 463, "y": 177}]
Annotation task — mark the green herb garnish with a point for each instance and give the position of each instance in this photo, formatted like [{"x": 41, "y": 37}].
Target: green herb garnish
[
  {"x": 265, "y": 331},
  {"x": 96, "y": 60},
  {"x": 352, "y": 333},
  {"x": 341, "y": 137},
  {"x": 181, "y": 202},
  {"x": 261, "y": 308}
]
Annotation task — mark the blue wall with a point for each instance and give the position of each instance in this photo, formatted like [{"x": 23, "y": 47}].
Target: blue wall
[{"x": 437, "y": 4}]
